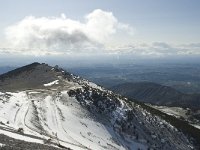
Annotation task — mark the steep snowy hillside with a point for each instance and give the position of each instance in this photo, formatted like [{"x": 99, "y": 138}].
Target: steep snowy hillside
[{"x": 46, "y": 105}]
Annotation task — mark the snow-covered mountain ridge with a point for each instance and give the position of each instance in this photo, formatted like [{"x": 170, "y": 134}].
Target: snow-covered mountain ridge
[{"x": 64, "y": 110}]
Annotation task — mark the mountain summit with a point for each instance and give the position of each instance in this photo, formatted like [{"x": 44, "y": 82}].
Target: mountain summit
[
  {"x": 31, "y": 76},
  {"x": 53, "y": 107}
]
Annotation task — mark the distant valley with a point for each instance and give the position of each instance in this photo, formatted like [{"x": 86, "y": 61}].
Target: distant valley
[
  {"x": 157, "y": 94},
  {"x": 182, "y": 77}
]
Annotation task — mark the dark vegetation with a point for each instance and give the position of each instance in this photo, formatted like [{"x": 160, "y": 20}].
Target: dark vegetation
[{"x": 99, "y": 99}]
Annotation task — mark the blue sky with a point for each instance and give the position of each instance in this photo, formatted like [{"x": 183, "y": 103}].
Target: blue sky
[
  {"x": 174, "y": 24},
  {"x": 171, "y": 20}
]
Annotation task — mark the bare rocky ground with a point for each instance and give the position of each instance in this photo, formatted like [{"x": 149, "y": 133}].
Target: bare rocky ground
[
  {"x": 9, "y": 143},
  {"x": 14, "y": 144}
]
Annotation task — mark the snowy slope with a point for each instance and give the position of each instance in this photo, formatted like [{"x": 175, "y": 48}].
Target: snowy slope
[
  {"x": 78, "y": 114},
  {"x": 56, "y": 116}
]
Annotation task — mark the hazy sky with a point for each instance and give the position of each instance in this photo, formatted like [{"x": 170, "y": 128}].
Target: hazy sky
[{"x": 135, "y": 27}]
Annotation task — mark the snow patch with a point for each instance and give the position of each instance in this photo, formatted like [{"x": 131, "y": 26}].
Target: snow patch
[
  {"x": 2, "y": 145},
  {"x": 196, "y": 126},
  {"x": 34, "y": 92},
  {"x": 52, "y": 83}
]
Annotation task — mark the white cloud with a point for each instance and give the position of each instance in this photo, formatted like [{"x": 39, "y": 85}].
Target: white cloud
[
  {"x": 62, "y": 34},
  {"x": 99, "y": 32},
  {"x": 158, "y": 49},
  {"x": 100, "y": 25}
]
